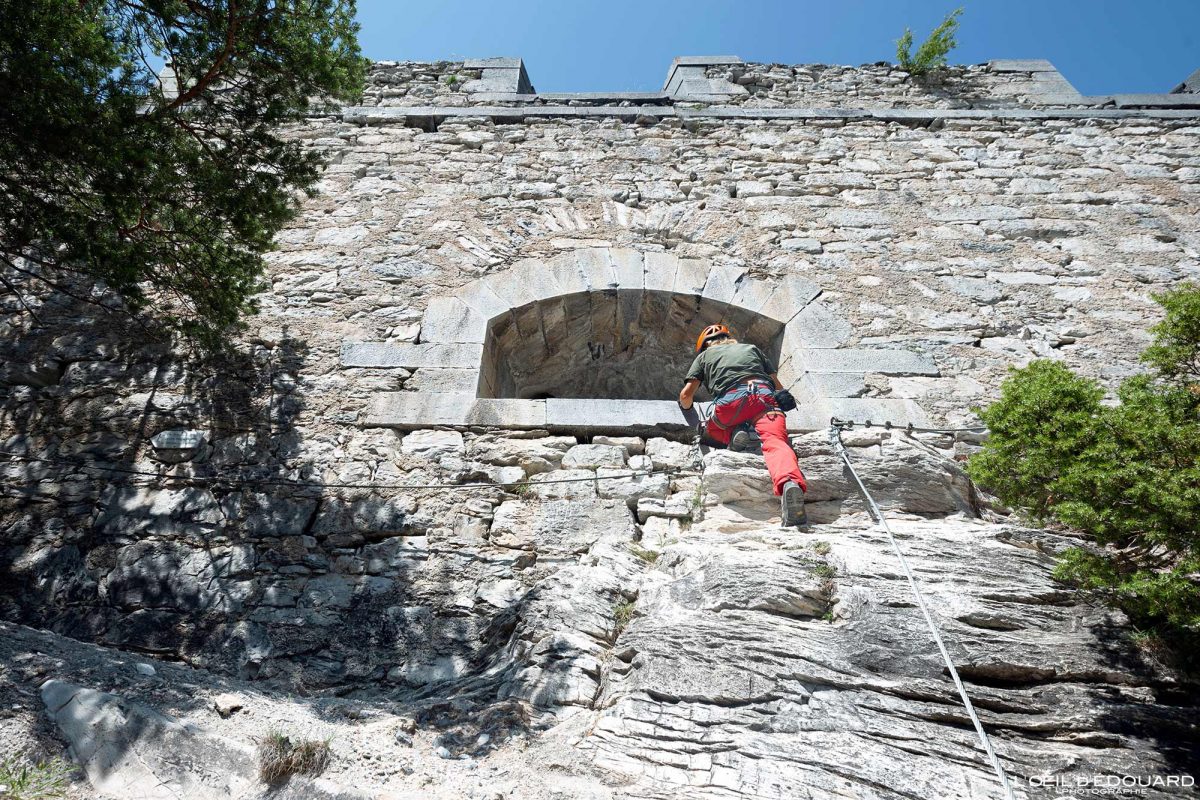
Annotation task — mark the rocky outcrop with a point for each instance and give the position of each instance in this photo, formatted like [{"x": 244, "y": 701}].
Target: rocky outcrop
[
  {"x": 685, "y": 645},
  {"x": 127, "y": 750}
]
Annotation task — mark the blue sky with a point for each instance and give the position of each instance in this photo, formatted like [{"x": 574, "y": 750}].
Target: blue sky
[{"x": 1101, "y": 46}]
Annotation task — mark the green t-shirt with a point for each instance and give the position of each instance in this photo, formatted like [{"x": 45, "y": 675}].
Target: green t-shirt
[{"x": 720, "y": 366}]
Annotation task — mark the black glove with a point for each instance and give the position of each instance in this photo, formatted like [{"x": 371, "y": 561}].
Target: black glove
[{"x": 785, "y": 400}]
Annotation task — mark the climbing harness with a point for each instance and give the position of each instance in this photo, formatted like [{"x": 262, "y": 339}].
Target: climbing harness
[
  {"x": 740, "y": 394},
  {"x": 836, "y": 427}
]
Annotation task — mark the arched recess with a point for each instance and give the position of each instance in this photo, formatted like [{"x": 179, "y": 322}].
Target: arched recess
[{"x": 599, "y": 339}]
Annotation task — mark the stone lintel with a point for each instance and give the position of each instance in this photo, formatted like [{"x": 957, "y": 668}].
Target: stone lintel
[
  {"x": 412, "y": 356},
  {"x": 413, "y": 410},
  {"x": 562, "y": 412}
]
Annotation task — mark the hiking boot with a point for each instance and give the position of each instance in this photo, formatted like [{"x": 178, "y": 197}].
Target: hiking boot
[
  {"x": 741, "y": 441},
  {"x": 791, "y": 503}
]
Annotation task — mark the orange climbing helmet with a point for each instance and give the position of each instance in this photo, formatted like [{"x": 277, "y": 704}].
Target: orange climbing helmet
[{"x": 711, "y": 332}]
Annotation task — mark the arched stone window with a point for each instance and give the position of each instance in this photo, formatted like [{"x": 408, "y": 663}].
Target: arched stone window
[{"x": 600, "y": 338}]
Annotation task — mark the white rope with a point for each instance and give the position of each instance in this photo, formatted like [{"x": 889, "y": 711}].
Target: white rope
[{"x": 835, "y": 438}]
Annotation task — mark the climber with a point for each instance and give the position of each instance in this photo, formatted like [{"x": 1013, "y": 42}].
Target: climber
[{"x": 747, "y": 392}]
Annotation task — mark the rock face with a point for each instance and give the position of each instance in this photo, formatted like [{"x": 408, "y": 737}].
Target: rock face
[
  {"x": 706, "y": 652},
  {"x": 597, "y": 605}
]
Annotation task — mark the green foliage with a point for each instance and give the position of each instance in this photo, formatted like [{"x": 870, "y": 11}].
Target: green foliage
[
  {"x": 932, "y": 53},
  {"x": 1127, "y": 474},
  {"x": 623, "y": 614},
  {"x": 22, "y": 779},
  {"x": 1175, "y": 354},
  {"x": 279, "y": 757},
  {"x": 169, "y": 199},
  {"x": 649, "y": 556}
]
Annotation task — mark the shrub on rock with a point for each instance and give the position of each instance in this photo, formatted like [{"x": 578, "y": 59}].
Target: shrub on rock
[{"x": 1126, "y": 473}]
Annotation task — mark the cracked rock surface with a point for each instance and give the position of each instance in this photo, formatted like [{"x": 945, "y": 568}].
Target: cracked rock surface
[{"x": 681, "y": 646}]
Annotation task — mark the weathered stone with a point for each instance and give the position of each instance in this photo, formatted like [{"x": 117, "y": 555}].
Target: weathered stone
[
  {"x": 433, "y": 444},
  {"x": 619, "y": 484},
  {"x": 564, "y": 484},
  {"x": 590, "y": 456},
  {"x": 665, "y": 454}
]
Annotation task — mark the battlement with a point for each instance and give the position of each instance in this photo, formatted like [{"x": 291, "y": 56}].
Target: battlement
[{"x": 704, "y": 81}]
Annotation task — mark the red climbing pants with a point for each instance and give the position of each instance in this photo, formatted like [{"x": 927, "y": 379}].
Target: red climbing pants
[{"x": 756, "y": 403}]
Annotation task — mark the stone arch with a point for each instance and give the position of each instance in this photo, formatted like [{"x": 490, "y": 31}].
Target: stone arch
[{"x": 598, "y": 339}]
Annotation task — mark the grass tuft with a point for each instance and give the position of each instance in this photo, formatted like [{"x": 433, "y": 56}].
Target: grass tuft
[
  {"x": 279, "y": 757},
  {"x": 623, "y": 614},
  {"x": 649, "y": 556},
  {"x": 23, "y": 779}
]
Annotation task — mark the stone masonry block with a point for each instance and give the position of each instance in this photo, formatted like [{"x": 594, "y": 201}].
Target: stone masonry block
[
  {"x": 568, "y": 274},
  {"x": 660, "y": 269},
  {"x": 439, "y": 379},
  {"x": 585, "y": 413},
  {"x": 837, "y": 384},
  {"x": 752, "y": 294},
  {"x": 628, "y": 267},
  {"x": 887, "y": 362},
  {"x": 429, "y": 354},
  {"x": 448, "y": 319},
  {"x": 815, "y": 326},
  {"x": 790, "y": 295},
  {"x": 508, "y": 413},
  {"x": 536, "y": 277},
  {"x": 596, "y": 268},
  {"x": 509, "y": 290},
  {"x": 419, "y": 409},
  {"x": 479, "y": 296},
  {"x": 690, "y": 277},
  {"x": 722, "y": 283}
]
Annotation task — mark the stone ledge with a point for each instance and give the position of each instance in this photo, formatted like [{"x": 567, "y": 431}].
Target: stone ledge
[
  {"x": 1021, "y": 65},
  {"x": 413, "y": 410},
  {"x": 1180, "y": 100},
  {"x": 422, "y": 116}
]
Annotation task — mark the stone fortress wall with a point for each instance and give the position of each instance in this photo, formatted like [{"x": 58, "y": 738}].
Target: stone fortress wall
[{"x": 899, "y": 244}]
